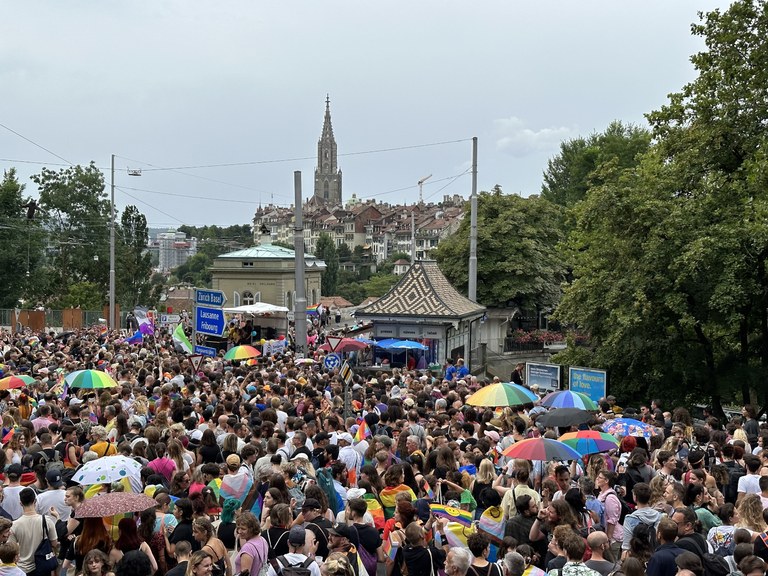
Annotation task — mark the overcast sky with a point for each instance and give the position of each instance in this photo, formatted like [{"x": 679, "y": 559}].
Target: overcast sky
[{"x": 187, "y": 84}]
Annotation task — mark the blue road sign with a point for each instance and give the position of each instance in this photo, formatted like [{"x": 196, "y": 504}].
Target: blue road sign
[
  {"x": 205, "y": 350},
  {"x": 209, "y": 321},
  {"x": 332, "y": 361},
  {"x": 214, "y": 298}
]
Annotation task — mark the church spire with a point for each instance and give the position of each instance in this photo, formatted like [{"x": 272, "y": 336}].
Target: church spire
[
  {"x": 327, "y": 173},
  {"x": 327, "y": 126}
]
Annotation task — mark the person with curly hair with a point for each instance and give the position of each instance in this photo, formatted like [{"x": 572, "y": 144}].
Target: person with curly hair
[
  {"x": 749, "y": 513},
  {"x": 254, "y": 551},
  {"x": 96, "y": 563}
]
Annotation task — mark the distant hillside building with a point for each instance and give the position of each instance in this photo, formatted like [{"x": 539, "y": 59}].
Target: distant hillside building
[
  {"x": 327, "y": 174},
  {"x": 174, "y": 249}
]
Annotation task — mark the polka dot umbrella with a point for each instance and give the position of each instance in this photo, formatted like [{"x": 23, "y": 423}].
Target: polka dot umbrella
[
  {"x": 112, "y": 503},
  {"x": 107, "y": 469}
]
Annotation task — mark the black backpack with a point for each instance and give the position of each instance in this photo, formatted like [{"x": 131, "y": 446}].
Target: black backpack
[
  {"x": 282, "y": 567},
  {"x": 730, "y": 490},
  {"x": 646, "y": 533}
]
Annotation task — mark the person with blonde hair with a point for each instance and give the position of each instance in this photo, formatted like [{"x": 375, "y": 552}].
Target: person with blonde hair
[
  {"x": 337, "y": 564},
  {"x": 200, "y": 563},
  {"x": 749, "y": 514},
  {"x": 484, "y": 479}
]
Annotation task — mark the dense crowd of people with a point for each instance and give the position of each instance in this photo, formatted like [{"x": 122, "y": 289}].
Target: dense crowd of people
[{"x": 255, "y": 468}]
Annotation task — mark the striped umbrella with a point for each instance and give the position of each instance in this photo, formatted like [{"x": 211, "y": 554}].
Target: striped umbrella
[
  {"x": 542, "y": 449},
  {"x": 13, "y": 381},
  {"x": 89, "y": 379},
  {"x": 589, "y": 441},
  {"x": 502, "y": 394},
  {"x": 568, "y": 399},
  {"x": 241, "y": 353}
]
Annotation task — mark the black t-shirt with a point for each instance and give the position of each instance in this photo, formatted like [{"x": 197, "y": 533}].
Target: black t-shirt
[
  {"x": 211, "y": 454},
  {"x": 369, "y": 537},
  {"x": 418, "y": 559},
  {"x": 183, "y": 531},
  {"x": 179, "y": 570},
  {"x": 319, "y": 527},
  {"x": 226, "y": 533},
  {"x": 277, "y": 540},
  {"x": 51, "y": 453}
]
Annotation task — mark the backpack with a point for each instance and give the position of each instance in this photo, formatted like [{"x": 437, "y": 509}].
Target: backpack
[
  {"x": 646, "y": 533},
  {"x": 325, "y": 481},
  {"x": 51, "y": 463},
  {"x": 625, "y": 507},
  {"x": 282, "y": 567},
  {"x": 714, "y": 565},
  {"x": 730, "y": 490},
  {"x": 369, "y": 560}
]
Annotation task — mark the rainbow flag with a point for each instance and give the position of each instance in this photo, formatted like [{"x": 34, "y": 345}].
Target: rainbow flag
[
  {"x": 376, "y": 511},
  {"x": 387, "y": 498},
  {"x": 428, "y": 490},
  {"x": 390, "y": 549},
  {"x": 463, "y": 517},
  {"x": 363, "y": 431}
]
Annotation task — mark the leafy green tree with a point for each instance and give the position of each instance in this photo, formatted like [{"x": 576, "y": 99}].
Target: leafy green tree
[
  {"x": 517, "y": 253},
  {"x": 379, "y": 284},
  {"x": 134, "y": 264},
  {"x": 195, "y": 271},
  {"x": 326, "y": 251},
  {"x": 353, "y": 291},
  {"x": 83, "y": 295},
  {"x": 576, "y": 168},
  {"x": 76, "y": 210},
  {"x": 670, "y": 257},
  {"x": 388, "y": 265},
  {"x": 21, "y": 242},
  {"x": 344, "y": 253}
]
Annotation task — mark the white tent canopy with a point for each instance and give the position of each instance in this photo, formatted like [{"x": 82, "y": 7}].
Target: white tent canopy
[{"x": 257, "y": 309}]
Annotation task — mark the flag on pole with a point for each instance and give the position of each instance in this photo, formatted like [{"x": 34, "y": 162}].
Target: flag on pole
[
  {"x": 428, "y": 490},
  {"x": 145, "y": 324},
  {"x": 363, "y": 431},
  {"x": 463, "y": 517},
  {"x": 135, "y": 339},
  {"x": 181, "y": 340}
]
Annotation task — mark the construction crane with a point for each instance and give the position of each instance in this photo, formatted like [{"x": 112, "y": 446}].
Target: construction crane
[{"x": 421, "y": 185}]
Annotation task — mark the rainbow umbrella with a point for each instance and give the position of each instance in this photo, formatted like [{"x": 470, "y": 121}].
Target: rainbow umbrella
[
  {"x": 15, "y": 382},
  {"x": 542, "y": 449},
  {"x": 628, "y": 427},
  {"x": 589, "y": 441},
  {"x": 241, "y": 353},
  {"x": 568, "y": 399},
  {"x": 89, "y": 379},
  {"x": 502, "y": 394}
]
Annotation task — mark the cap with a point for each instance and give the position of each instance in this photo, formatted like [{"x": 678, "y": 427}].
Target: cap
[
  {"x": 75, "y": 401},
  {"x": 343, "y": 530},
  {"x": 196, "y": 435},
  {"x": 297, "y": 536},
  {"x": 311, "y": 504},
  {"x": 14, "y": 470},
  {"x": 493, "y": 435},
  {"x": 53, "y": 477},
  {"x": 233, "y": 460},
  {"x": 346, "y": 437}
]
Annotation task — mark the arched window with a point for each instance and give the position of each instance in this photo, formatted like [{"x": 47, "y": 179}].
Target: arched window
[
  {"x": 289, "y": 300},
  {"x": 326, "y": 190},
  {"x": 248, "y": 298},
  {"x": 236, "y": 299}
]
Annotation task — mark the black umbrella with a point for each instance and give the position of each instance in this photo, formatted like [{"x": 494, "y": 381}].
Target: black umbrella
[{"x": 564, "y": 417}]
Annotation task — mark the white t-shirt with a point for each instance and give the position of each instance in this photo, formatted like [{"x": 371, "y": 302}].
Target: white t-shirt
[
  {"x": 294, "y": 559},
  {"x": 53, "y": 499},
  {"x": 27, "y": 531},
  {"x": 11, "y": 502},
  {"x": 749, "y": 484}
]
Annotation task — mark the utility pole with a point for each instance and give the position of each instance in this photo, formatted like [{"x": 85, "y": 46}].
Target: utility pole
[
  {"x": 473, "y": 227},
  {"x": 111, "y": 322},
  {"x": 300, "y": 304}
]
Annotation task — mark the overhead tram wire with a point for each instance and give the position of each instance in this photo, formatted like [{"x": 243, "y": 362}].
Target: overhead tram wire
[
  {"x": 36, "y": 144},
  {"x": 281, "y": 160},
  {"x": 151, "y": 206}
]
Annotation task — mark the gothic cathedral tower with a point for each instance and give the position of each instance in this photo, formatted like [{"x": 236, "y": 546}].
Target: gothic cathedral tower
[{"x": 327, "y": 174}]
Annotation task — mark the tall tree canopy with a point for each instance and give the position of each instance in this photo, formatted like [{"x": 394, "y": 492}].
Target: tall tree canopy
[
  {"x": 134, "y": 264},
  {"x": 577, "y": 167},
  {"x": 517, "y": 253},
  {"x": 77, "y": 215},
  {"x": 670, "y": 257},
  {"x": 326, "y": 251}
]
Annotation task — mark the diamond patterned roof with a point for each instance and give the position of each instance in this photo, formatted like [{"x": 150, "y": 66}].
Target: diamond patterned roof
[{"x": 422, "y": 291}]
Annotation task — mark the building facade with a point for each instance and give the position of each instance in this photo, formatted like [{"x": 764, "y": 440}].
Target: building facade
[{"x": 174, "y": 249}]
